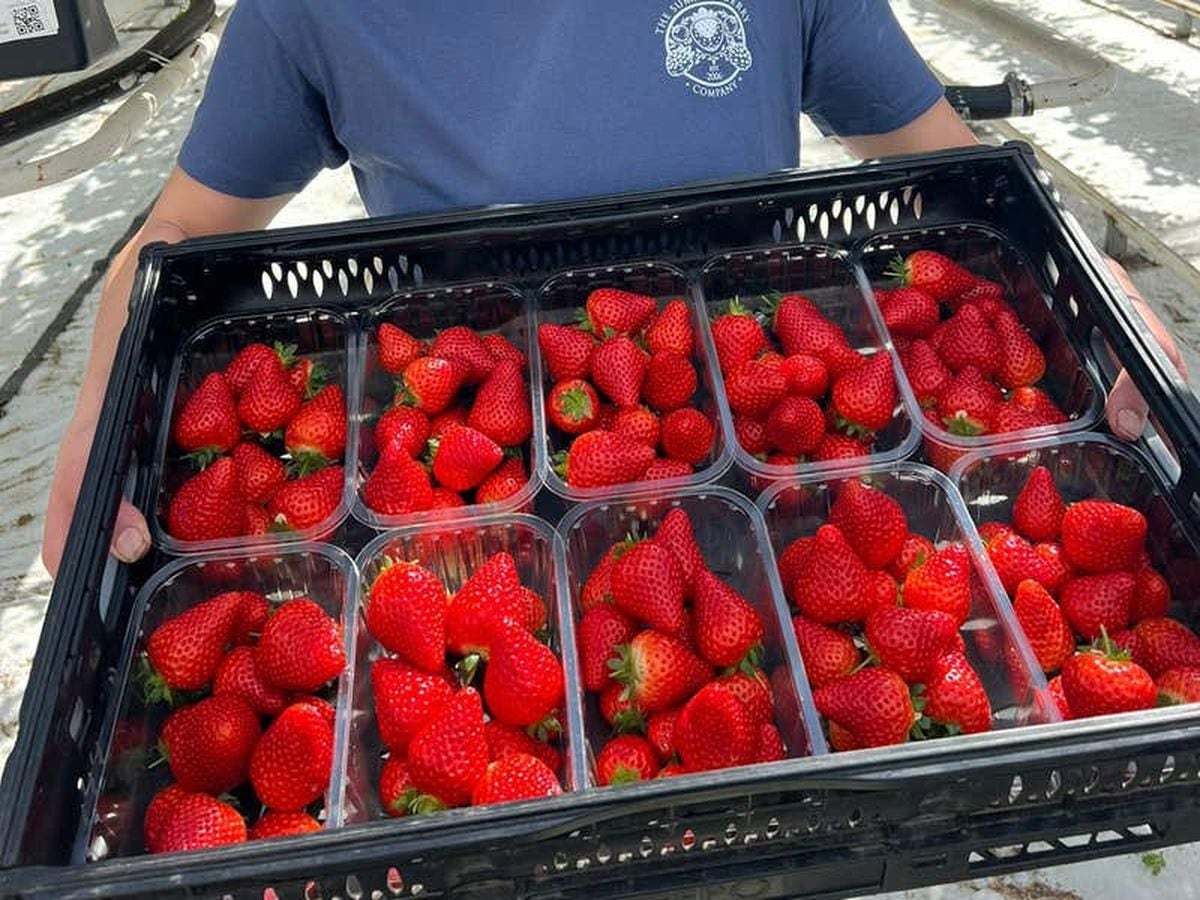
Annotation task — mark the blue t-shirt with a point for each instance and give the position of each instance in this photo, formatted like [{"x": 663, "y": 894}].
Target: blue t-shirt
[{"x": 441, "y": 105}]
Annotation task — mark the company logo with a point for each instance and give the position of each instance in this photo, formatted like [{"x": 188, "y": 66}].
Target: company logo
[{"x": 705, "y": 43}]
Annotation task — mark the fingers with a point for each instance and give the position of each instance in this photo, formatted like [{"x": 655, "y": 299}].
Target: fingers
[
  {"x": 131, "y": 537},
  {"x": 1126, "y": 409}
]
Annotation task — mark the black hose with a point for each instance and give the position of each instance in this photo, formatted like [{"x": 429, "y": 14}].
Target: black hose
[{"x": 993, "y": 101}]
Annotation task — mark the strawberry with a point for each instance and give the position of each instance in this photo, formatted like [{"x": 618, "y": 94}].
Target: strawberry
[
  {"x": 873, "y": 523},
  {"x": 936, "y": 274},
  {"x": 208, "y": 423},
  {"x": 660, "y": 732},
  {"x": 913, "y": 552},
  {"x": 1037, "y": 402},
  {"x": 398, "y": 484},
  {"x": 687, "y": 435},
  {"x": 449, "y": 755},
  {"x": 503, "y": 483},
  {"x": 770, "y": 744},
  {"x": 405, "y": 427},
  {"x": 292, "y": 761},
  {"x": 671, "y": 330},
  {"x": 647, "y": 585},
  {"x": 185, "y": 650},
  {"x": 502, "y": 348},
  {"x": 838, "y": 446},
  {"x": 1044, "y": 625},
  {"x": 240, "y": 372},
  {"x": 572, "y": 406},
  {"x": 501, "y": 409},
  {"x": 626, "y": 759},
  {"x": 727, "y": 628},
  {"x": 158, "y": 813},
  {"x": 601, "y": 630},
  {"x": 198, "y": 822},
  {"x": 795, "y": 426},
  {"x": 599, "y": 458},
  {"x": 801, "y": 328},
  {"x": 252, "y": 616},
  {"x": 598, "y": 587},
  {"x": 209, "y": 505},
  {"x": 1099, "y": 536},
  {"x": 942, "y": 582},
  {"x": 807, "y": 375},
  {"x": 257, "y": 520},
  {"x": 523, "y": 683},
  {"x": 517, "y": 776},
  {"x": 754, "y": 387},
  {"x": 670, "y": 381},
  {"x": 1179, "y": 685},
  {"x": 1059, "y": 698},
  {"x": 238, "y": 676},
  {"x": 567, "y": 352},
  {"x": 396, "y": 791},
  {"x": 617, "y": 311},
  {"x": 638, "y": 424},
  {"x": 1010, "y": 418},
  {"x": 282, "y": 823},
  {"x": 1164, "y": 644},
  {"x": 968, "y": 340},
  {"x": 658, "y": 671},
  {"x": 969, "y": 403},
  {"x": 754, "y": 691},
  {"x": 1022, "y": 362},
  {"x": 1094, "y": 602},
  {"x": 307, "y": 377},
  {"x": 459, "y": 344},
  {"x": 444, "y": 498},
  {"x": 955, "y": 697},
  {"x": 1151, "y": 595},
  {"x": 269, "y": 400},
  {"x": 619, "y": 369},
  {"x": 487, "y": 601},
  {"x": 300, "y": 648},
  {"x": 443, "y": 421},
  {"x": 1104, "y": 680},
  {"x": 405, "y": 699},
  {"x": 910, "y": 312},
  {"x": 503, "y": 740},
  {"x": 713, "y": 731},
  {"x": 1039, "y": 508},
  {"x": 1055, "y": 571},
  {"x": 675, "y": 533},
  {"x": 534, "y": 619},
  {"x": 926, "y": 373},
  {"x": 430, "y": 383},
  {"x": 625, "y": 715},
  {"x": 910, "y": 641},
  {"x": 828, "y": 653},
  {"x": 865, "y": 397},
  {"x": 406, "y": 613},
  {"x": 1015, "y": 560},
  {"x": 208, "y": 744},
  {"x": 751, "y": 434},
  {"x": 981, "y": 292},
  {"x": 872, "y": 708},
  {"x": 737, "y": 336},
  {"x": 464, "y": 457},
  {"x": 397, "y": 348},
  {"x": 308, "y": 501},
  {"x": 831, "y": 580},
  {"x": 259, "y": 473},
  {"x": 316, "y": 435}
]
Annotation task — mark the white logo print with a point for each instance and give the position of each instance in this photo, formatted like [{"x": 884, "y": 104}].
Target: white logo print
[{"x": 706, "y": 45}]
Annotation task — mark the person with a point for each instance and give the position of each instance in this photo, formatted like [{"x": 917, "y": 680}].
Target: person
[{"x": 437, "y": 106}]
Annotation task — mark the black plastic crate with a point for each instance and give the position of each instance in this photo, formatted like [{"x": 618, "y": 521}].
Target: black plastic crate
[{"x": 820, "y": 825}]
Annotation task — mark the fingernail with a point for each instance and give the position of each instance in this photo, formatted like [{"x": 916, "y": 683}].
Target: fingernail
[
  {"x": 1130, "y": 423},
  {"x": 131, "y": 545}
]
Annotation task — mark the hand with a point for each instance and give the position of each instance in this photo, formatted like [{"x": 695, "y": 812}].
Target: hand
[{"x": 1127, "y": 408}]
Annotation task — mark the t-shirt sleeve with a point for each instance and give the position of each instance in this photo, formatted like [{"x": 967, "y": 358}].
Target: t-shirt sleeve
[
  {"x": 262, "y": 128},
  {"x": 861, "y": 73}
]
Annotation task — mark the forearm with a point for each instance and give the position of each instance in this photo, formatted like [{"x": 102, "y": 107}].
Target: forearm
[{"x": 938, "y": 128}]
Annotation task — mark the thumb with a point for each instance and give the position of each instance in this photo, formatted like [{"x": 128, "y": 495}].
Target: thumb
[
  {"x": 1126, "y": 409},
  {"x": 131, "y": 537}
]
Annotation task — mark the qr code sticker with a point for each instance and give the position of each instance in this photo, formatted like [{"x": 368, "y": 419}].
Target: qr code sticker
[{"x": 28, "y": 20}]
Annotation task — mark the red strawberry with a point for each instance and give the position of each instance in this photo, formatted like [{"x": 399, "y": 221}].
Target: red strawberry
[
  {"x": 186, "y": 650},
  {"x": 308, "y": 501},
  {"x": 291, "y": 764},
  {"x": 1044, "y": 625},
  {"x": 622, "y": 713},
  {"x": 1102, "y": 681},
  {"x": 430, "y": 383},
  {"x": 602, "y": 629},
  {"x": 599, "y": 458},
  {"x": 487, "y": 601},
  {"x": 444, "y": 421},
  {"x": 1036, "y": 401},
  {"x": 626, "y": 759},
  {"x": 449, "y": 755},
  {"x": 1151, "y": 595},
  {"x": 598, "y": 587},
  {"x": 158, "y": 813},
  {"x": 618, "y": 311},
  {"x": 1093, "y": 602},
  {"x": 754, "y": 387},
  {"x": 807, "y": 375},
  {"x": 754, "y": 691},
  {"x": 567, "y": 352},
  {"x": 969, "y": 340},
  {"x": 237, "y": 675},
  {"x": 534, "y": 619},
  {"x": 913, "y": 552},
  {"x": 713, "y": 731},
  {"x": 307, "y": 377},
  {"x": 619, "y": 369},
  {"x": 460, "y": 344},
  {"x": 503, "y": 740},
  {"x": 502, "y": 348},
  {"x": 801, "y": 328},
  {"x": 1021, "y": 360},
  {"x": 405, "y": 427},
  {"x": 969, "y": 403},
  {"x": 671, "y": 330},
  {"x": 865, "y": 397},
  {"x": 658, "y": 671},
  {"x": 751, "y": 434},
  {"x": 932, "y": 272},
  {"x": 1163, "y": 644},
  {"x": 828, "y": 653},
  {"x": 831, "y": 580},
  {"x": 464, "y": 457},
  {"x": 257, "y": 520},
  {"x": 1059, "y": 698},
  {"x": 770, "y": 744},
  {"x": 396, "y": 791},
  {"x": 727, "y": 628},
  {"x": 738, "y": 337},
  {"x": 1099, "y": 536},
  {"x": 955, "y": 697},
  {"x": 282, "y": 823},
  {"x": 269, "y": 400},
  {"x": 1039, "y": 508},
  {"x": 406, "y": 613},
  {"x": 910, "y": 312},
  {"x": 252, "y": 616},
  {"x": 983, "y": 291},
  {"x": 208, "y": 744},
  {"x": 199, "y": 822},
  {"x": 209, "y": 505},
  {"x": 1179, "y": 685},
  {"x": 523, "y": 683},
  {"x": 1055, "y": 570},
  {"x": 208, "y": 422},
  {"x": 670, "y": 381},
  {"x": 943, "y": 582},
  {"x": 796, "y": 425},
  {"x": 1010, "y": 418},
  {"x": 926, "y": 373},
  {"x": 517, "y": 776},
  {"x": 316, "y": 435},
  {"x": 397, "y": 348},
  {"x": 873, "y": 523},
  {"x": 300, "y": 648},
  {"x": 838, "y": 446},
  {"x": 638, "y": 424},
  {"x": 910, "y": 641},
  {"x": 501, "y": 409},
  {"x": 648, "y": 585},
  {"x": 687, "y": 435},
  {"x": 1015, "y": 560},
  {"x": 660, "y": 732},
  {"x": 504, "y": 482},
  {"x": 259, "y": 473},
  {"x": 398, "y": 484},
  {"x": 444, "y": 498},
  {"x": 872, "y": 708},
  {"x": 240, "y": 372},
  {"x": 405, "y": 699},
  {"x": 572, "y": 406},
  {"x": 675, "y": 533}
]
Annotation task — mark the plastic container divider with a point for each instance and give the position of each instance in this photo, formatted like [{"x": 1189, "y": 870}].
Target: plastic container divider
[
  {"x": 125, "y": 785},
  {"x": 486, "y": 307},
  {"x": 452, "y": 550},
  {"x": 823, "y": 274},
  {"x": 733, "y": 540},
  {"x": 934, "y": 509},
  {"x": 1071, "y": 378},
  {"x": 319, "y": 334},
  {"x": 559, "y": 301}
]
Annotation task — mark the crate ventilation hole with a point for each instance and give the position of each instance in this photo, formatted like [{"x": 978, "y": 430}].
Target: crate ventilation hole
[
  {"x": 989, "y": 857},
  {"x": 874, "y": 210},
  {"x": 323, "y": 274}
]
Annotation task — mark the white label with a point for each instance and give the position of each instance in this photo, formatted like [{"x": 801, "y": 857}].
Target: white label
[{"x": 24, "y": 20}]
